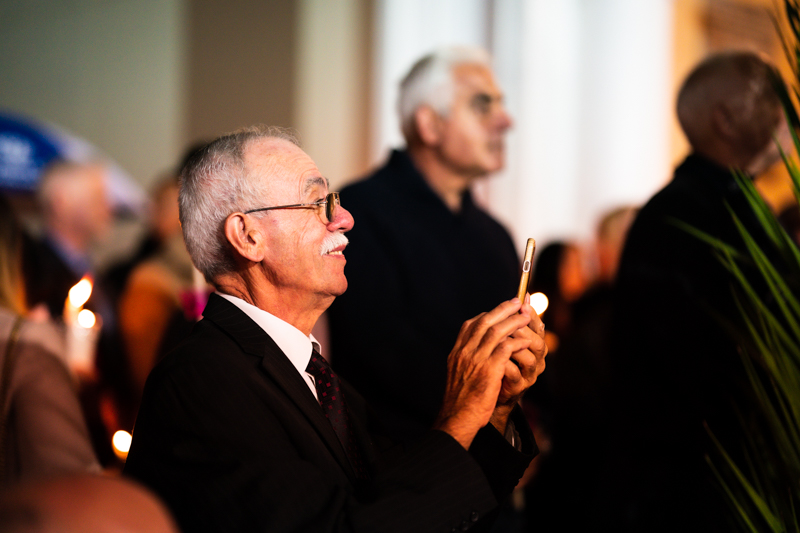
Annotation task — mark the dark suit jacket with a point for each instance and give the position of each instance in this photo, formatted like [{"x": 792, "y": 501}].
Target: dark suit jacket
[{"x": 230, "y": 436}]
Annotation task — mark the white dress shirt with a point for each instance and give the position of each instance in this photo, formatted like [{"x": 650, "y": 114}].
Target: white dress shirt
[{"x": 289, "y": 339}]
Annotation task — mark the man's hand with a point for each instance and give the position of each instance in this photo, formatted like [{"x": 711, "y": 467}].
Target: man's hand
[
  {"x": 523, "y": 368},
  {"x": 481, "y": 377}
]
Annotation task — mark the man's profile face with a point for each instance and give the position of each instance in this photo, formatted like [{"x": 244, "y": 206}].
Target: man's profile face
[
  {"x": 474, "y": 131},
  {"x": 299, "y": 260}
]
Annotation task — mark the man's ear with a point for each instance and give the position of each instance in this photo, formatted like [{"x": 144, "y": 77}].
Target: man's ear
[
  {"x": 724, "y": 123},
  {"x": 245, "y": 236},
  {"x": 429, "y": 125}
]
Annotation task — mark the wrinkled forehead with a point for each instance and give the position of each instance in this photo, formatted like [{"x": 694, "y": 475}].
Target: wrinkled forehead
[
  {"x": 473, "y": 78},
  {"x": 284, "y": 169}
]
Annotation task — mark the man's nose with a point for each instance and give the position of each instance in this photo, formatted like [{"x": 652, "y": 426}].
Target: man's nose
[
  {"x": 342, "y": 220},
  {"x": 503, "y": 119}
]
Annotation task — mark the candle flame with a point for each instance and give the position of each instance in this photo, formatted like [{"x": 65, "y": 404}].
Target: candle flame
[
  {"x": 79, "y": 294},
  {"x": 539, "y": 302},
  {"x": 121, "y": 442},
  {"x": 86, "y": 319}
]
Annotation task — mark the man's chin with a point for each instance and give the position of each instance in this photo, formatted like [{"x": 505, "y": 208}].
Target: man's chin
[
  {"x": 340, "y": 289},
  {"x": 493, "y": 163}
]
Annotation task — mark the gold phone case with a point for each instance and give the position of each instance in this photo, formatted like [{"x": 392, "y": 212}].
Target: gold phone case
[{"x": 527, "y": 264}]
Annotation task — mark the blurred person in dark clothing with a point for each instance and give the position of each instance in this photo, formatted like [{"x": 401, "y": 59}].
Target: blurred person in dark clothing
[
  {"x": 675, "y": 307},
  {"x": 559, "y": 274},
  {"x": 572, "y": 394},
  {"x": 423, "y": 251}
]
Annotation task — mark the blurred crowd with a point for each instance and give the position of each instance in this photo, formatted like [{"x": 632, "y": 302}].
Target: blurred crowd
[{"x": 71, "y": 381}]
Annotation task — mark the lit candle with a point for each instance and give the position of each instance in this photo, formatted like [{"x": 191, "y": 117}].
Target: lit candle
[
  {"x": 82, "y": 329},
  {"x": 78, "y": 295},
  {"x": 121, "y": 442}
]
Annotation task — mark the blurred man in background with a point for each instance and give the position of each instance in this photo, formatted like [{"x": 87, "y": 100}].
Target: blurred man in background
[
  {"x": 76, "y": 215},
  {"x": 423, "y": 252},
  {"x": 675, "y": 308}
]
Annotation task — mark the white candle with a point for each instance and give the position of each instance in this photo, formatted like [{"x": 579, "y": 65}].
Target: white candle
[{"x": 82, "y": 329}]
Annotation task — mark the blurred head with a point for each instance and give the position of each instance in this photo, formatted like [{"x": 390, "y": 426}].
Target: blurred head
[
  {"x": 611, "y": 233},
  {"x": 449, "y": 101},
  {"x": 729, "y": 110},
  {"x": 297, "y": 250},
  {"x": 165, "y": 219},
  {"x": 12, "y": 295},
  {"x": 74, "y": 201},
  {"x": 558, "y": 272}
]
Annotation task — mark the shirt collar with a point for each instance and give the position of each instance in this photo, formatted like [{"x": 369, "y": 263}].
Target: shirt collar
[{"x": 292, "y": 342}]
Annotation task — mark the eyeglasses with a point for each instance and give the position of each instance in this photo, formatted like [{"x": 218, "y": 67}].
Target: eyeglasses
[{"x": 331, "y": 202}]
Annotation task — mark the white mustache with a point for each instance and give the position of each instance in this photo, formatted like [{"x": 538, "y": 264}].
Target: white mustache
[{"x": 332, "y": 242}]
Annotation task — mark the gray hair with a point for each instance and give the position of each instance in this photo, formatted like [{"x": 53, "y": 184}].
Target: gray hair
[
  {"x": 214, "y": 184},
  {"x": 430, "y": 82}
]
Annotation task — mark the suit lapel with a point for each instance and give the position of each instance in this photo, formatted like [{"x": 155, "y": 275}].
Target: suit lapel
[{"x": 255, "y": 341}]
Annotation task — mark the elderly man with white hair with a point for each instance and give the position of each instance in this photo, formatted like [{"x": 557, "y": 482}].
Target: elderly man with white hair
[
  {"x": 424, "y": 251},
  {"x": 244, "y": 427}
]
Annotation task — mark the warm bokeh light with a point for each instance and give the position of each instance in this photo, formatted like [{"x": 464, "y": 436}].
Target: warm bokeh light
[
  {"x": 122, "y": 442},
  {"x": 79, "y": 294},
  {"x": 539, "y": 302},
  {"x": 86, "y": 319}
]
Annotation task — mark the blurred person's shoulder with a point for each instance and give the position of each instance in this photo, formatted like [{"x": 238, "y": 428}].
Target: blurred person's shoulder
[
  {"x": 47, "y": 335},
  {"x": 41, "y": 333}
]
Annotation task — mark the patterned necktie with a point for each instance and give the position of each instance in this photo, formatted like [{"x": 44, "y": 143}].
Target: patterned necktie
[{"x": 331, "y": 398}]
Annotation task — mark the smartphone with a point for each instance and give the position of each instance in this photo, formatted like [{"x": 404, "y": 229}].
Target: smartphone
[{"x": 527, "y": 264}]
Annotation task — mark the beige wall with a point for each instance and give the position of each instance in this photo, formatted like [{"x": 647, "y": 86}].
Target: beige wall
[
  {"x": 241, "y": 65},
  {"x": 332, "y": 85},
  {"x": 111, "y": 72},
  {"x": 142, "y": 79}
]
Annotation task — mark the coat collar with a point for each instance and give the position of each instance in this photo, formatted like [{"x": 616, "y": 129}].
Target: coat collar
[{"x": 255, "y": 341}]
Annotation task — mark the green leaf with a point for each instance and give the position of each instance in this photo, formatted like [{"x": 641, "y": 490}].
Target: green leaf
[{"x": 772, "y": 520}]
